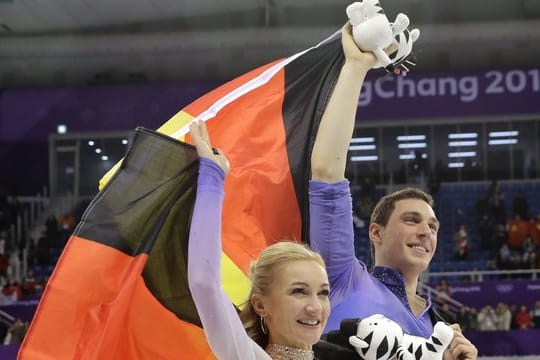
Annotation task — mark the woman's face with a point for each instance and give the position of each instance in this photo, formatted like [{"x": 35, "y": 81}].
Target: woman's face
[{"x": 297, "y": 305}]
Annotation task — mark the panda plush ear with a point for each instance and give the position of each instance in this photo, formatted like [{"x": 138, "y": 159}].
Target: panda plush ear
[
  {"x": 403, "y": 58},
  {"x": 341, "y": 337}
]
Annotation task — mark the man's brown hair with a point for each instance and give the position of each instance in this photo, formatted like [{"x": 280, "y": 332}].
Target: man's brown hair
[{"x": 382, "y": 211}]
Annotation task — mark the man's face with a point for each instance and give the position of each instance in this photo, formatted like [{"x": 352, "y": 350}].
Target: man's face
[{"x": 408, "y": 241}]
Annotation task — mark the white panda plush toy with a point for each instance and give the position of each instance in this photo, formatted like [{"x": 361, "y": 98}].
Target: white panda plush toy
[
  {"x": 372, "y": 31},
  {"x": 379, "y": 338}
]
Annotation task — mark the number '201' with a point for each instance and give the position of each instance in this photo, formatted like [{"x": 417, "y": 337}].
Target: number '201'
[{"x": 513, "y": 81}]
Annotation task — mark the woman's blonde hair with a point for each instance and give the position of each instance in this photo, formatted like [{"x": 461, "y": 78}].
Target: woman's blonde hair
[{"x": 261, "y": 273}]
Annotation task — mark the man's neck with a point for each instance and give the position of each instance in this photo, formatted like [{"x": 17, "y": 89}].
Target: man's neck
[
  {"x": 411, "y": 282},
  {"x": 416, "y": 302}
]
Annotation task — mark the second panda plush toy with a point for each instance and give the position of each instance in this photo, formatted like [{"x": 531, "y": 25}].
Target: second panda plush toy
[{"x": 379, "y": 338}]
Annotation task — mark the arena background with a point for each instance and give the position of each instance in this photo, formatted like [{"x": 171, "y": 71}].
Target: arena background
[{"x": 77, "y": 71}]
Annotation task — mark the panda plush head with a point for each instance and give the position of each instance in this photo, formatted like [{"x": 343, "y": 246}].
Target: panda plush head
[
  {"x": 377, "y": 337},
  {"x": 372, "y": 31}
]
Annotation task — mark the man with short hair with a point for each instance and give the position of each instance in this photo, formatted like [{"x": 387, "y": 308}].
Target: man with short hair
[{"x": 403, "y": 230}]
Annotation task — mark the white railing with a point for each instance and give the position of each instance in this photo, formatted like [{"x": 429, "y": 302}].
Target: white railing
[
  {"x": 29, "y": 225},
  {"x": 477, "y": 275},
  {"x": 438, "y": 297}
]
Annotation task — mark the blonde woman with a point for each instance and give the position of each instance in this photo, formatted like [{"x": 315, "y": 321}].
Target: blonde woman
[{"x": 288, "y": 304}]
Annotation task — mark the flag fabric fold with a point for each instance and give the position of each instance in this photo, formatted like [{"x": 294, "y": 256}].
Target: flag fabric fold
[
  {"x": 119, "y": 289},
  {"x": 107, "y": 293}
]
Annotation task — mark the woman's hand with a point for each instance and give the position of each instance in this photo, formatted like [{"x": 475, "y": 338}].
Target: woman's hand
[{"x": 201, "y": 140}]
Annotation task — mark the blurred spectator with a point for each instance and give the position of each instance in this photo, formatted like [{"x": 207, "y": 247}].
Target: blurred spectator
[
  {"x": 4, "y": 264},
  {"x": 466, "y": 319},
  {"x": 42, "y": 254},
  {"x": 487, "y": 319},
  {"x": 358, "y": 223},
  {"x": 4, "y": 328},
  {"x": 473, "y": 318},
  {"x": 31, "y": 253},
  {"x": 534, "y": 227},
  {"x": 357, "y": 206},
  {"x": 520, "y": 206},
  {"x": 534, "y": 261},
  {"x": 523, "y": 318},
  {"x": 4, "y": 253},
  {"x": 461, "y": 240},
  {"x": 366, "y": 198},
  {"x": 486, "y": 229},
  {"x": 67, "y": 225},
  {"x": 529, "y": 253},
  {"x": 6, "y": 211},
  {"x": 513, "y": 311},
  {"x": 482, "y": 208},
  {"x": 444, "y": 291},
  {"x": 504, "y": 259},
  {"x": 4, "y": 243},
  {"x": 368, "y": 187},
  {"x": 52, "y": 228},
  {"x": 29, "y": 283},
  {"x": 536, "y": 314},
  {"x": 504, "y": 316},
  {"x": 366, "y": 206},
  {"x": 499, "y": 237},
  {"x": 518, "y": 230},
  {"x": 11, "y": 292},
  {"x": 446, "y": 313},
  {"x": 16, "y": 332},
  {"x": 475, "y": 275},
  {"x": 462, "y": 318},
  {"x": 492, "y": 264},
  {"x": 495, "y": 199},
  {"x": 516, "y": 264}
]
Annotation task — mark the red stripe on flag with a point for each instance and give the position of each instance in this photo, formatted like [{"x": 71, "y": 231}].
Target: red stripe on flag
[
  {"x": 108, "y": 316},
  {"x": 262, "y": 210}
]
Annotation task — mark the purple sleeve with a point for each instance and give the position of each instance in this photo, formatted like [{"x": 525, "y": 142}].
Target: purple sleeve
[
  {"x": 332, "y": 235},
  {"x": 222, "y": 326}
]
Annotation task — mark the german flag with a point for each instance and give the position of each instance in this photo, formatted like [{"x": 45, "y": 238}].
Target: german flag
[{"x": 119, "y": 290}]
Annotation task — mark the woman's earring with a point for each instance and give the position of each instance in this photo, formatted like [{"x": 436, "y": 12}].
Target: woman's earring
[{"x": 263, "y": 326}]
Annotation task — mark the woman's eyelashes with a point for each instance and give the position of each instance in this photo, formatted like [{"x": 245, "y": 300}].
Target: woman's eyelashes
[
  {"x": 324, "y": 292},
  {"x": 304, "y": 291},
  {"x": 299, "y": 291}
]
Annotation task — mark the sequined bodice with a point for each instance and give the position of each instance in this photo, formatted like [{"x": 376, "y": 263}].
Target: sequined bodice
[{"x": 282, "y": 352}]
